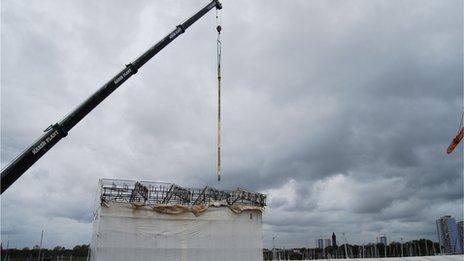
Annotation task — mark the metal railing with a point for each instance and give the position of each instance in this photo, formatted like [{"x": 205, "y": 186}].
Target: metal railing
[{"x": 151, "y": 193}]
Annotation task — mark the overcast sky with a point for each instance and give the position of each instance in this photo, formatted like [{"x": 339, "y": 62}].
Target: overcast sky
[{"x": 340, "y": 111}]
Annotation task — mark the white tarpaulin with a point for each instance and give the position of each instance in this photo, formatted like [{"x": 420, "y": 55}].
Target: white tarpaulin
[{"x": 124, "y": 231}]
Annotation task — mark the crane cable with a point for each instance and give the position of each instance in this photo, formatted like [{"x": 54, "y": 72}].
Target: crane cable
[{"x": 218, "y": 50}]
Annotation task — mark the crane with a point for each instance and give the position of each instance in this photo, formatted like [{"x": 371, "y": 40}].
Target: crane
[
  {"x": 455, "y": 142},
  {"x": 54, "y": 133}
]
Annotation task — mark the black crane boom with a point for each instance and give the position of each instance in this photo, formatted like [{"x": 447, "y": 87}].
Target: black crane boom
[{"x": 56, "y": 132}]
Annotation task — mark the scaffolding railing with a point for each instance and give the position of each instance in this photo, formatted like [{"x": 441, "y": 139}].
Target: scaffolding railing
[{"x": 152, "y": 193}]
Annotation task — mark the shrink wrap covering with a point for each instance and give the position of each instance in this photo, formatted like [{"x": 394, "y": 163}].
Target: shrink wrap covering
[{"x": 213, "y": 231}]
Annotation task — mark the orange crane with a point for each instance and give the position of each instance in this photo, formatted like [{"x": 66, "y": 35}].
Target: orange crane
[{"x": 454, "y": 143}]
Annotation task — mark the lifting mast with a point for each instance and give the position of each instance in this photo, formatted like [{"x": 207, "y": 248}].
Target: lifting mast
[{"x": 57, "y": 131}]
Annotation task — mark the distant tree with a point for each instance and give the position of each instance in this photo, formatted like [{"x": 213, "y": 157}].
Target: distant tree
[
  {"x": 59, "y": 248},
  {"x": 329, "y": 251},
  {"x": 80, "y": 250},
  {"x": 26, "y": 249}
]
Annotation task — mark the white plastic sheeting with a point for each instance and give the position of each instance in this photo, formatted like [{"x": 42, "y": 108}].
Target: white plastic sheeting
[{"x": 124, "y": 232}]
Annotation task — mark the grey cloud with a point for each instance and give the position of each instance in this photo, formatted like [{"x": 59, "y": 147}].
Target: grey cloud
[{"x": 315, "y": 92}]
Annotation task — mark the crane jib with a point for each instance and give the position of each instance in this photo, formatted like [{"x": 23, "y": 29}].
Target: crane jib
[{"x": 56, "y": 132}]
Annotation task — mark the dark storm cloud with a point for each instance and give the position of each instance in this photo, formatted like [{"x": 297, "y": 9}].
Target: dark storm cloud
[{"x": 339, "y": 110}]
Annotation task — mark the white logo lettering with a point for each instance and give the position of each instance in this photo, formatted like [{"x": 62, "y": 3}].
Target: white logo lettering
[
  {"x": 121, "y": 77},
  {"x": 175, "y": 33},
  {"x": 44, "y": 142}
]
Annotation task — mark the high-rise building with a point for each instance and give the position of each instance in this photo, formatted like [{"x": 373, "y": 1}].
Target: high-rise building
[
  {"x": 383, "y": 239},
  {"x": 461, "y": 232},
  {"x": 334, "y": 240},
  {"x": 323, "y": 242},
  {"x": 327, "y": 242},
  {"x": 448, "y": 235}
]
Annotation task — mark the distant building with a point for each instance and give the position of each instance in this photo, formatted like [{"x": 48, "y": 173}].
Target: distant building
[
  {"x": 448, "y": 235},
  {"x": 461, "y": 232},
  {"x": 383, "y": 239},
  {"x": 334, "y": 240},
  {"x": 327, "y": 242},
  {"x": 323, "y": 242}
]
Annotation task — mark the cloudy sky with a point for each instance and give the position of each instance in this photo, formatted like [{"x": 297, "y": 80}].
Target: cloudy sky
[{"x": 340, "y": 111}]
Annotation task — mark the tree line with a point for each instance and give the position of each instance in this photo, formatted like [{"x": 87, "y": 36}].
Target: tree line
[
  {"x": 421, "y": 247},
  {"x": 77, "y": 253}
]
